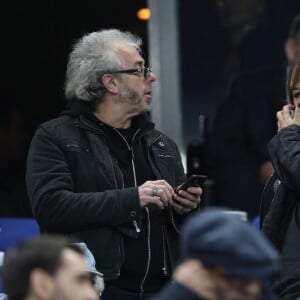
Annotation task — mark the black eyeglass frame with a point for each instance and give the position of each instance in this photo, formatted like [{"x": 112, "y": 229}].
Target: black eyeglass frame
[{"x": 145, "y": 70}]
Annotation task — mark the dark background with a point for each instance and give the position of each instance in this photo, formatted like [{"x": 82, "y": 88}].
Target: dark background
[
  {"x": 222, "y": 38},
  {"x": 38, "y": 38},
  {"x": 218, "y": 39}
]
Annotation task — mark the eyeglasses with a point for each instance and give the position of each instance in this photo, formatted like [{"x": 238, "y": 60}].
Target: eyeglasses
[{"x": 145, "y": 71}]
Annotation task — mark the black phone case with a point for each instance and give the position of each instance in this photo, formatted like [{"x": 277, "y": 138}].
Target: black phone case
[{"x": 194, "y": 180}]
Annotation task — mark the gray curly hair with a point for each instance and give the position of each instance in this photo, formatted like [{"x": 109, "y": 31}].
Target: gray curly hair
[{"x": 92, "y": 56}]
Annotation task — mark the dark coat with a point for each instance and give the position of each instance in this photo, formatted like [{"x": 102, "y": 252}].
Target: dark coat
[
  {"x": 280, "y": 211},
  {"x": 176, "y": 291},
  {"x": 242, "y": 127},
  {"x": 76, "y": 187}
]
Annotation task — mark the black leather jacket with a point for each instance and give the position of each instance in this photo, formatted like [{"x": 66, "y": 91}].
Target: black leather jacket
[
  {"x": 76, "y": 187},
  {"x": 280, "y": 211}
]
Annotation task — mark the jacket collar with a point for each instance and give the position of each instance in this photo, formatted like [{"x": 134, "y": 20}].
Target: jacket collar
[{"x": 77, "y": 108}]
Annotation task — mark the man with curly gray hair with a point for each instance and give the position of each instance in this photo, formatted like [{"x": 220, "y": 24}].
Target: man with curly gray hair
[{"x": 103, "y": 173}]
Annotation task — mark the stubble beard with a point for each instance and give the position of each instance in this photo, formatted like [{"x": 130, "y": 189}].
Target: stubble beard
[{"x": 127, "y": 95}]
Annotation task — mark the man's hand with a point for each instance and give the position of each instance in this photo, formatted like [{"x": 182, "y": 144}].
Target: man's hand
[
  {"x": 185, "y": 201},
  {"x": 158, "y": 192}
]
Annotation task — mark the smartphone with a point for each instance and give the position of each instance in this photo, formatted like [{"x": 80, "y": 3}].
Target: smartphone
[{"x": 194, "y": 180}]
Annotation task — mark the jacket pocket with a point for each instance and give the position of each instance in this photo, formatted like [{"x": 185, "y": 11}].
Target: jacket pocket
[
  {"x": 166, "y": 156},
  {"x": 75, "y": 146}
]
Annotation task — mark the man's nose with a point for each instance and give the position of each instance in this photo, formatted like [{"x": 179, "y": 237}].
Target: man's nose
[{"x": 152, "y": 77}]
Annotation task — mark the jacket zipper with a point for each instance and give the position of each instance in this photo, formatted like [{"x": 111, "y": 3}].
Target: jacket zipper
[
  {"x": 136, "y": 226},
  {"x": 165, "y": 156},
  {"x": 131, "y": 151},
  {"x": 262, "y": 197},
  {"x": 164, "y": 269},
  {"x": 149, "y": 255},
  {"x": 147, "y": 213},
  {"x": 134, "y": 222},
  {"x": 265, "y": 187},
  {"x": 173, "y": 221},
  {"x": 146, "y": 208}
]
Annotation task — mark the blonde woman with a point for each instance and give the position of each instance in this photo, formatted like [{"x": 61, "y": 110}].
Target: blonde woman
[{"x": 281, "y": 223}]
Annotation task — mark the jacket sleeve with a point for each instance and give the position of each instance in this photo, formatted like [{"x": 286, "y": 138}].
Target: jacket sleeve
[
  {"x": 284, "y": 149},
  {"x": 55, "y": 204}
]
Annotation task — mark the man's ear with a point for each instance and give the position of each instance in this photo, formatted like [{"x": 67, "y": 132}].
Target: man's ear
[
  {"x": 110, "y": 83},
  {"x": 290, "y": 49},
  {"x": 41, "y": 284}
]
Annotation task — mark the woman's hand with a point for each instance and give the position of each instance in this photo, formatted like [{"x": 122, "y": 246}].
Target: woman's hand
[{"x": 284, "y": 117}]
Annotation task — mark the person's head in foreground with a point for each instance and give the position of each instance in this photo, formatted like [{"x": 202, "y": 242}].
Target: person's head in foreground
[
  {"x": 91, "y": 266},
  {"x": 231, "y": 259},
  {"x": 47, "y": 268}
]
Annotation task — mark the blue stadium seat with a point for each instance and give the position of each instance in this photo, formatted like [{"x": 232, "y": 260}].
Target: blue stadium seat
[
  {"x": 255, "y": 223},
  {"x": 13, "y": 231}
]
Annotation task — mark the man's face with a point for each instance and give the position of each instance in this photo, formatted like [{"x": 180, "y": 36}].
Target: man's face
[
  {"x": 134, "y": 89},
  {"x": 72, "y": 281},
  {"x": 233, "y": 289}
]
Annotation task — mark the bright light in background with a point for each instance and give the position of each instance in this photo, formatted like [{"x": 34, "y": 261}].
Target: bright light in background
[{"x": 144, "y": 14}]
